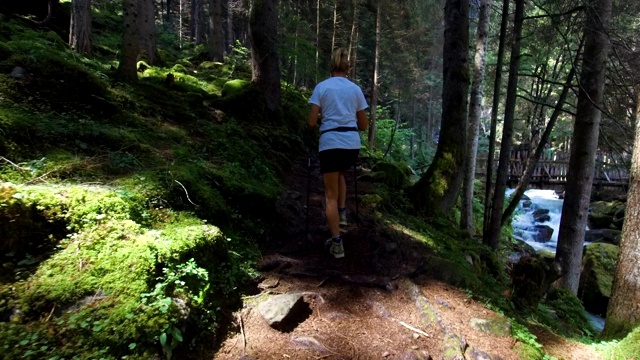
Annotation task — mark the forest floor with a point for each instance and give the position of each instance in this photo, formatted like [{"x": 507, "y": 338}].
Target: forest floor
[{"x": 368, "y": 305}]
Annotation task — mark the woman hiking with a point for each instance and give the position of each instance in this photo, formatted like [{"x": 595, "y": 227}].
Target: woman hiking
[{"x": 342, "y": 105}]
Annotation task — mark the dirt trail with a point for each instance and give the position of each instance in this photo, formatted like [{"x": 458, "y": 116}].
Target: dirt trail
[{"x": 365, "y": 306}]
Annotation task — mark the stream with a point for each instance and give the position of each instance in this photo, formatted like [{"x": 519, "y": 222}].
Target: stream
[{"x": 539, "y": 228}]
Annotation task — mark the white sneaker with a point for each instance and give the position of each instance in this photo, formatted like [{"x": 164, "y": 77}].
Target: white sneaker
[{"x": 336, "y": 249}]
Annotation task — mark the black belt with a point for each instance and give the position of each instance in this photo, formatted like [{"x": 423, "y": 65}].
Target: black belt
[{"x": 340, "y": 129}]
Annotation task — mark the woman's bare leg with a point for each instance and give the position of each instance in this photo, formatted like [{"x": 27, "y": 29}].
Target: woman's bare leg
[
  {"x": 331, "y": 193},
  {"x": 342, "y": 194}
]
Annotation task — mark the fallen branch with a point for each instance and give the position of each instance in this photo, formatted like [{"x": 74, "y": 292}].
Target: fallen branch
[
  {"x": 244, "y": 338},
  {"x": 20, "y": 169},
  {"x": 417, "y": 331},
  {"x": 186, "y": 192}
]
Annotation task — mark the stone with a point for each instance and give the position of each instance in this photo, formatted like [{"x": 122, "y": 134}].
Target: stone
[
  {"x": 454, "y": 347},
  {"x": 609, "y": 236},
  {"x": 598, "y": 270},
  {"x": 475, "y": 354},
  {"x": 543, "y": 233},
  {"x": 527, "y": 204},
  {"x": 18, "y": 73},
  {"x": 414, "y": 355},
  {"x": 283, "y": 312},
  {"x": 499, "y": 326},
  {"x": 541, "y": 215}
]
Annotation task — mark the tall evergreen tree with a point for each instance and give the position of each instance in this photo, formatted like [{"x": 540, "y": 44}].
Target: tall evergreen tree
[
  {"x": 80, "y": 29},
  {"x": 584, "y": 144},
  {"x": 437, "y": 191},
  {"x": 265, "y": 61}
]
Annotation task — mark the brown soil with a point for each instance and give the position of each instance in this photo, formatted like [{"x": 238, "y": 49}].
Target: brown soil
[{"x": 362, "y": 306}]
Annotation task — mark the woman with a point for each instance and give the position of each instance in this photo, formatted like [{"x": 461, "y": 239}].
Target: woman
[{"x": 342, "y": 105}]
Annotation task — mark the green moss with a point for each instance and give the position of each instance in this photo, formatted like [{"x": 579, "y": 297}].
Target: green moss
[
  {"x": 235, "y": 87},
  {"x": 598, "y": 269},
  {"x": 627, "y": 348},
  {"x": 570, "y": 313}
]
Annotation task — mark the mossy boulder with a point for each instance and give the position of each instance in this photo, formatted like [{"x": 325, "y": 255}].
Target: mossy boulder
[
  {"x": 530, "y": 280},
  {"x": 606, "y": 215},
  {"x": 393, "y": 175},
  {"x": 113, "y": 283},
  {"x": 569, "y": 312},
  {"x": 598, "y": 269}
]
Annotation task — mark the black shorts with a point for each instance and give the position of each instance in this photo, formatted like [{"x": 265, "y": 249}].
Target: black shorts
[{"x": 334, "y": 160}]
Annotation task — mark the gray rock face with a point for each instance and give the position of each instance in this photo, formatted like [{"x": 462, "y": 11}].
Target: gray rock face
[{"x": 284, "y": 312}]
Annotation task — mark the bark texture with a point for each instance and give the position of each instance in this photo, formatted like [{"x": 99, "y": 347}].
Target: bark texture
[
  {"x": 437, "y": 190},
  {"x": 584, "y": 144},
  {"x": 371, "y": 138},
  {"x": 216, "y": 31},
  {"x": 127, "y": 69},
  {"x": 263, "y": 35},
  {"x": 198, "y": 33},
  {"x": 475, "y": 110},
  {"x": 147, "y": 32},
  {"x": 623, "y": 313},
  {"x": 492, "y": 238},
  {"x": 497, "y": 85},
  {"x": 80, "y": 29}
]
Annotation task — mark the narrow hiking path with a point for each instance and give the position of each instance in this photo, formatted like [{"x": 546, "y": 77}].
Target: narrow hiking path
[{"x": 373, "y": 304}]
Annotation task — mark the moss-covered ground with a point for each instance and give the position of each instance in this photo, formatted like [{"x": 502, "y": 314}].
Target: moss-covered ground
[{"x": 131, "y": 214}]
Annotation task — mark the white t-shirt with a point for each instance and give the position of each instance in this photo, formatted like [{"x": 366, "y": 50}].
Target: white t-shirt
[{"x": 339, "y": 99}]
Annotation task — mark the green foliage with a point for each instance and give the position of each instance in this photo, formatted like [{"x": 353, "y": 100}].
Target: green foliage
[
  {"x": 528, "y": 346},
  {"x": 626, "y": 348},
  {"x": 570, "y": 316}
]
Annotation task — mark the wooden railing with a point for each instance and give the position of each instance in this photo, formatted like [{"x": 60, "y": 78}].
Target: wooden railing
[{"x": 553, "y": 167}]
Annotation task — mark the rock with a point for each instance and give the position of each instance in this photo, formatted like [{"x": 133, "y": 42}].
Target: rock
[
  {"x": 454, "y": 347},
  {"x": 541, "y": 215},
  {"x": 308, "y": 342},
  {"x": 475, "y": 354},
  {"x": 527, "y": 204},
  {"x": 530, "y": 279},
  {"x": 598, "y": 269},
  {"x": 414, "y": 355},
  {"x": 18, "y": 73},
  {"x": 285, "y": 311},
  {"x": 543, "y": 233},
  {"x": 606, "y": 214},
  {"x": 379, "y": 309},
  {"x": 499, "y": 326},
  {"x": 609, "y": 236}
]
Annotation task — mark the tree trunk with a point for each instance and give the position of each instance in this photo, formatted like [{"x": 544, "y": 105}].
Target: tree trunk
[
  {"x": 584, "y": 144},
  {"x": 623, "y": 313},
  {"x": 80, "y": 29},
  {"x": 497, "y": 86},
  {"x": 263, "y": 35},
  {"x": 353, "y": 46},
  {"x": 534, "y": 156},
  {"x": 371, "y": 139},
  {"x": 198, "y": 33},
  {"x": 216, "y": 31},
  {"x": 437, "y": 191},
  {"x": 317, "y": 39},
  {"x": 127, "y": 69},
  {"x": 147, "y": 33},
  {"x": 475, "y": 110},
  {"x": 335, "y": 23},
  {"x": 492, "y": 238}
]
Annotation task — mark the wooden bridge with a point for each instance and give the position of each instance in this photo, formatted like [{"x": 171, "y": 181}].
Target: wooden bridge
[{"x": 551, "y": 171}]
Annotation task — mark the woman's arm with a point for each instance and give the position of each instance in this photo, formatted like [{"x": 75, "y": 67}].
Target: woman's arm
[
  {"x": 313, "y": 116},
  {"x": 363, "y": 122}
]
